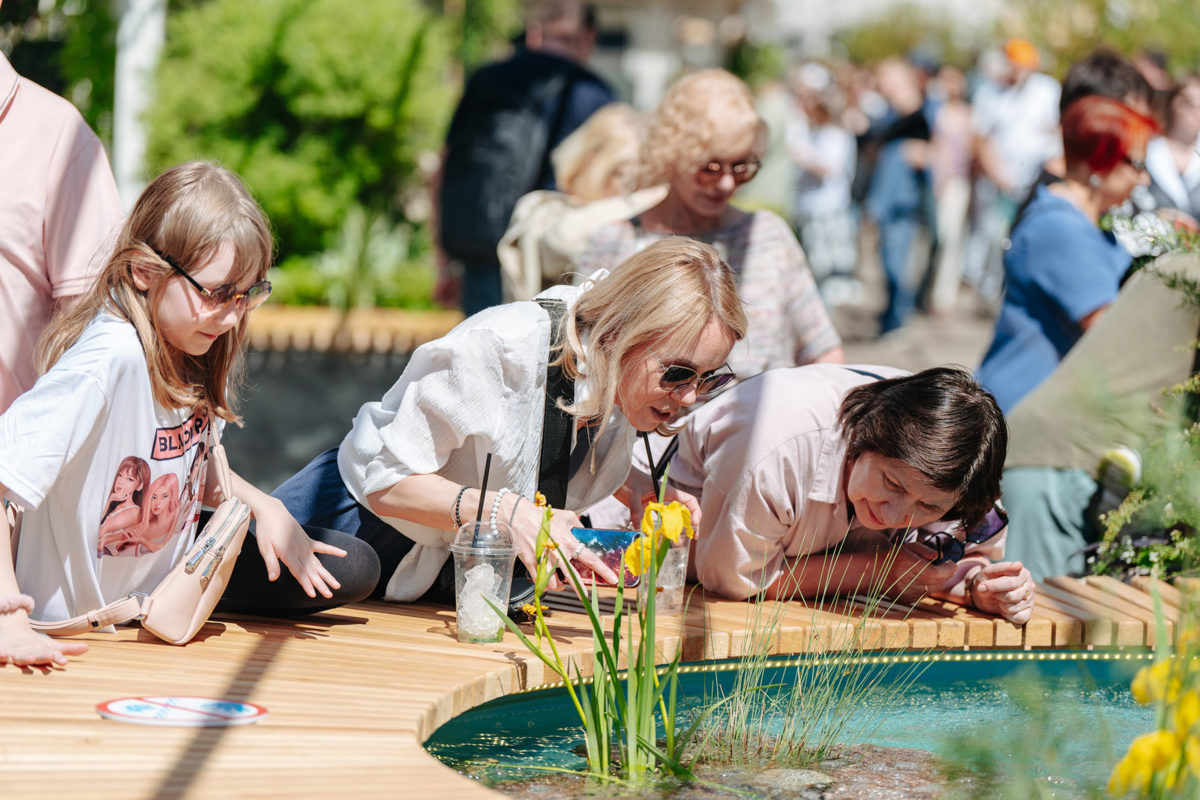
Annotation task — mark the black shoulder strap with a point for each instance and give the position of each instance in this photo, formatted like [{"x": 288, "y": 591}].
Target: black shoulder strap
[
  {"x": 865, "y": 373},
  {"x": 554, "y": 466}
]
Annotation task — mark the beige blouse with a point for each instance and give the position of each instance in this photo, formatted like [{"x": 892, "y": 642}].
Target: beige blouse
[{"x": 766, "y": 459}]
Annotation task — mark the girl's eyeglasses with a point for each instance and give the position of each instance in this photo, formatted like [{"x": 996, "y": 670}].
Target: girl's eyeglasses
[
  {"x": 742, "y": 171},
  {"x": 225, "y": 294},
  {"x": 676, "y": 378}
]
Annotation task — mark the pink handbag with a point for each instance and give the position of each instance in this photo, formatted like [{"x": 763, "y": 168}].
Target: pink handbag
[{"x": 182, "y": 602}]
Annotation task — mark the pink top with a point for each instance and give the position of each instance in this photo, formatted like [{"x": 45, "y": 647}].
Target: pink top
[
  {"x": 58, "y": 206},
  {"x": 766, "y": 459}
]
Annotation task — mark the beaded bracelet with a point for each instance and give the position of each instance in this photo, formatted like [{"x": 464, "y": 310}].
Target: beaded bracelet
[
  {"x": 16, "y": 602},
  {"x": 513, "y": 514},
  {"x": 496, "y": 506},
  {"x": 457, "y": 502}
]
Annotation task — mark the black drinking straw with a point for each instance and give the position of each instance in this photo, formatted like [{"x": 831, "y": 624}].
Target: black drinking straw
[{"x": 487, "y": 467}]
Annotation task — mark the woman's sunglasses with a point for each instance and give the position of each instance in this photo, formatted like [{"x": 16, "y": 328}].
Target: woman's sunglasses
[
  {"x": 677, "y": 377},
  {"x": 225, "y": 294},
  {"x": 742, "y": 171}
]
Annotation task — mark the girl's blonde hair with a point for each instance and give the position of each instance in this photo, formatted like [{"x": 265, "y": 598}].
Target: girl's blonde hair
[
  {"x": 589, "y": 164},
  {"x": 184, "y": 215},
  {"x": 661, "y": 297},
  {"x": 683, "y": 127}
]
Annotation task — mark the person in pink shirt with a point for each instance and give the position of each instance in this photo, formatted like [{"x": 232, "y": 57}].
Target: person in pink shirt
[
  {"x": 58, "y": 207},
  {"x": 825, "y": 480}
]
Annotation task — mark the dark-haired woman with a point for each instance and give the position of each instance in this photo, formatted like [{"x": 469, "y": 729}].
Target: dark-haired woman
[
  {"x": 1062, "y": 271},
  {"x": 827, "y": 479}
]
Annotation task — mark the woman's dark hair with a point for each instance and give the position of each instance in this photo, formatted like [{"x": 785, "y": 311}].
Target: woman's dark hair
[
  {"x": 1104, "y": 73},
  {"x": 941, "y": 423}
]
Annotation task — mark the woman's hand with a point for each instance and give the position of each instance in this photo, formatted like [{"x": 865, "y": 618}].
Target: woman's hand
[
  {"x": 527, "y": 522},
  {"x": 1004, "y": 588},
  {"x": 280, "y": 538},
  {"x": 685, "y": 499},
  {"x": 22, "y": 645},
  {"x": 912, "y": 573}
]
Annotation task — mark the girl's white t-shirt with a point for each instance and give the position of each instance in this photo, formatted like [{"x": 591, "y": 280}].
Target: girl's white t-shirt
[{"x": 109, "y": 479}]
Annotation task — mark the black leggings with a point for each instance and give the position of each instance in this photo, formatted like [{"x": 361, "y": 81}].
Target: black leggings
[{"x": 249, "y": 591}]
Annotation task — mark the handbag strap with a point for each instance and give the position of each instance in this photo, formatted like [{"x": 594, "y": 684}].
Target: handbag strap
[
  {"x": 554, "y": 466},
  {"x": 128, "y": 608},
  {"x": 117, "y": 612}
]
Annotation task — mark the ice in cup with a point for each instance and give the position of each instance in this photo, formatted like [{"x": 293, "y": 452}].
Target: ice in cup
[{"x": 483, "y": 566}]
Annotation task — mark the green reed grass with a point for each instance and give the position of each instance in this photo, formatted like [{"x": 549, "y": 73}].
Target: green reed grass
[{"x": 833, "y": 683}]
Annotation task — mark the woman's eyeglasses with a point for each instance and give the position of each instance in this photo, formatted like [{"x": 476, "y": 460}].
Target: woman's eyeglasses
[
  {"x": 1136, "y": 163},
  {"x": 711, "y": 173},
  {"x": 226, "y": 294},
  {"x": 676, "y": 378}
]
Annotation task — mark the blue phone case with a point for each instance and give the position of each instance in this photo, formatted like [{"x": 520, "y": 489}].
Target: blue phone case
[{"x": 610, "y": 545}]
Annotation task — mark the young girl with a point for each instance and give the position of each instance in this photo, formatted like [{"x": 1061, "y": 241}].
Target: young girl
[{"x": 141, "y": 367}]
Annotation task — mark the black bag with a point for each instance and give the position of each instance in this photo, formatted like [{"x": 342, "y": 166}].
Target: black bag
[{"x": 498, "y": 150}]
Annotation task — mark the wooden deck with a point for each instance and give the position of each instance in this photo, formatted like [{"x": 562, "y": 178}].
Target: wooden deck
[{"x": 352, "y": 694}]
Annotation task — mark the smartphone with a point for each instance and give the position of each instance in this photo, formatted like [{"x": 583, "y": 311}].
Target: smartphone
[{"x": 610, "y": 545}]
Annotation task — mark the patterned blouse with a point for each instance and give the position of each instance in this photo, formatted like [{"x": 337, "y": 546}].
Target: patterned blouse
[{"x": 788, "y": 323}]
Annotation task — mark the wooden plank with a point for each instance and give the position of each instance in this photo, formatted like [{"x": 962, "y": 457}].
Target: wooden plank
[
  {"x": 1170, "y": 595},
  {"x": 353, "y": 693},
  {"x": 1143, "y": 602},
  {"x": 1134, "y": 626},
  {"x": 1103, "y": 627}
]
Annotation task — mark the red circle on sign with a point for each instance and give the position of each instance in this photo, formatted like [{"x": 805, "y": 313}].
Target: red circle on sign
[{"x": 181, "y": 711}]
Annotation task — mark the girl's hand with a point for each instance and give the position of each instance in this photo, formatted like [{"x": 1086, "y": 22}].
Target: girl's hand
[
  {"x": 280, "y": 538},
  {"x": 22, "y": 645},
  {"x": 1006, "y": 589}
]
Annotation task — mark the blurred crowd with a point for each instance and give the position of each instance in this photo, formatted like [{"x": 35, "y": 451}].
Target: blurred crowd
[
  {"x": 920, "y": 167},
  {"x": 931, "y": 164}
]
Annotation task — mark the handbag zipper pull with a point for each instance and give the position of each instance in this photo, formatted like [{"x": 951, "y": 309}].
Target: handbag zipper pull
[{"x": 194, "y": 561}]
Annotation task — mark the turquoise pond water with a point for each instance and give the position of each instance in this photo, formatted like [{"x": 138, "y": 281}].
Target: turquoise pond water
[{"x": 1072, "y": 709}]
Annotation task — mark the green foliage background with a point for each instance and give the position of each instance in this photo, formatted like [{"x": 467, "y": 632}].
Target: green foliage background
[{"x": 320, "y": 105}]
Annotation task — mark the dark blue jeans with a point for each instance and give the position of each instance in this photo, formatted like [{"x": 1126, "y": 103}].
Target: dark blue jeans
[
  {"x": 316, "y": 495},
  {"x": 895, "y": 247},
  {"x": 481, "y": 287},
  {"x": 250, "y": 592}
]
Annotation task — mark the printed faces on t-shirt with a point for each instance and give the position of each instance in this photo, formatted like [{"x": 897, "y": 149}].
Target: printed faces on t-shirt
[{"x": 146, "y": 506}]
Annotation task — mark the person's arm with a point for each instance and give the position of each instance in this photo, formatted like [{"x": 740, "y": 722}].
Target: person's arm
[
  {"x": 280, "y": 538},
  {"x": 20, "y": 644},
  {"x": 865, "y": 563},
  {"x": 429, "y": 500},
  {"x": 834, "y": 355},
  {"x": 1091, "y": 318}
]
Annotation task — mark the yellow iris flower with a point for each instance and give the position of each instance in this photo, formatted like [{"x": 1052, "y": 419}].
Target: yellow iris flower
[
  {"x": 1149, "y": 755},
  {"x": 661, "y": 519}
]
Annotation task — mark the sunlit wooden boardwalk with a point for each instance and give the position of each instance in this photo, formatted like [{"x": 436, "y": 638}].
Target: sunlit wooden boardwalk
[{"x": 352, "y": 694}]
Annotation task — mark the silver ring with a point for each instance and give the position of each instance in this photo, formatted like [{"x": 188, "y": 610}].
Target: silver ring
[{"x": 578, "y": 550}]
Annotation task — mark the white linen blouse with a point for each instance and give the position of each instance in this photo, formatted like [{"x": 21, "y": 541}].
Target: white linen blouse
[{"x": 479, "y": 389}]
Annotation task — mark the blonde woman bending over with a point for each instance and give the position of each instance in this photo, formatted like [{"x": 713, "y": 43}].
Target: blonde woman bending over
[{"x": 638, "y": 345}]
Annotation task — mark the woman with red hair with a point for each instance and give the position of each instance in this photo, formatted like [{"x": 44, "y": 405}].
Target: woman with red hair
[{"x": 1061, "y": 269}]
